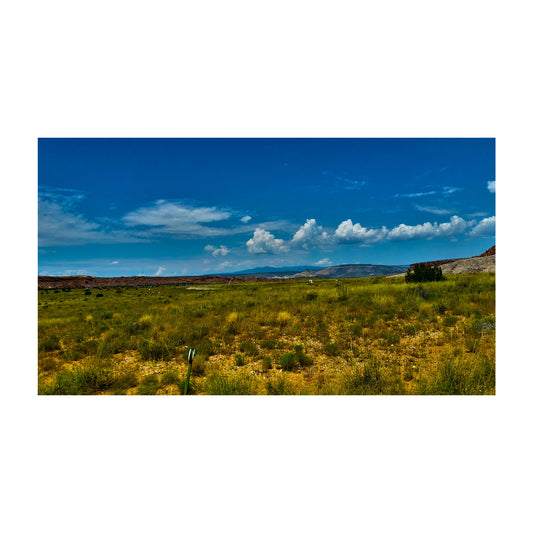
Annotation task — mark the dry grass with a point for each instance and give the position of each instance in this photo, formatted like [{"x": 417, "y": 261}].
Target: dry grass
[{"x": 361, "y": 336}]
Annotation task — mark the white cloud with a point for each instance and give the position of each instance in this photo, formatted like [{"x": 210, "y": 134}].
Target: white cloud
[
  {"x": 61, "y": 225},
  {"x": 484, "y": 228},
  {"x": 491, "y": 186},
  {"x": 114, "y": 262},
  {"x": 444, "y": 190},
  {"x": 310, "y": 235},
  {"x": 214, "y": 251},
  {"x": 415, "y": 194},
  {"x": 450, "y": 190},
  {"x": 263, "y": 242},
  {"x": 432, "y": 210},
  {"x": 246, "y": 219},
  {"x": 348, "y": 232},
  {"x": 178, "y": 218},
  {"x": 160, "y": 270},
  {"x": 322, "y": 262},
  {"x": 456, "y": 226}
]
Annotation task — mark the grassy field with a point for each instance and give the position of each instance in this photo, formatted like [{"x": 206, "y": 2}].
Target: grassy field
[{"x": 357, "y": 336}]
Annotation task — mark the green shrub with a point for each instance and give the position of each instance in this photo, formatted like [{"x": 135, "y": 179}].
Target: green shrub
[
  {"x": 151, "y": 350},
  {"x": 331, "y": 349},
  {"x": 124, "y": 381},
  {"x": 72, "y": 355},
  {"x": 266, "y": 364},
  {"x": 278, "y": 386},
  {"x": 356, "y": 329},
  {"x": 249, "y": 348},
  {"x": 170, "y": 377},
  {"x": 373, "y": 379},
  {"x": 149, "y": 385},
  {"x": 410, "y": 329},
  {"x": 288, "y": 361},
  {"x": 291, "y": 360},
  {"x": 450, "y": 321},
  {"x": 456, "y": 375},
  {"x": 269, "y": 344},
  {"x": 88, "y": 380},
  {"x": 199, "y": 365},
  {"x": 89, "y": 347},
  {"x": 228, "y": 385},
  {"x": 390, "y": 338},
  {"x": 51, "y": 344},
  {"x": 240, "y": 360}
]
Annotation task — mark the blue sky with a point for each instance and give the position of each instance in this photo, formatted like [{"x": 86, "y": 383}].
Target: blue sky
[{"x": 120, "y": 207}]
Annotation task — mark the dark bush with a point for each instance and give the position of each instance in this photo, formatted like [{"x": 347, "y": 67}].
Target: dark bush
[
  {"x": 423, "y": 272},
  {"x": 289, "y": 361}
]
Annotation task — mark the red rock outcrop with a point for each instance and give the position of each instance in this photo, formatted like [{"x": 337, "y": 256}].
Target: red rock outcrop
[{"x": 91, "y": 282}]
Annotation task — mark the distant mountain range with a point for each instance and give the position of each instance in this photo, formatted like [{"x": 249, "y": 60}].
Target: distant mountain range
[
  {"x": 272, "y": 270},
  {"x": 485, "y": 262},
  {"x": 339, "y": 271}
]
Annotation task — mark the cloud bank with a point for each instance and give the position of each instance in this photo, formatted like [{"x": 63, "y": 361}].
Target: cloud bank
[{"x": 311, "y": 235}]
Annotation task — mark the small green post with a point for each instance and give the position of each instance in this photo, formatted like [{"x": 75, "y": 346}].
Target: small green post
[{"x": 190, "y": 357}]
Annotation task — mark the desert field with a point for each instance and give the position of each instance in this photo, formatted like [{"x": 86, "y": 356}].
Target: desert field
[{"x": 373, "y": 336}]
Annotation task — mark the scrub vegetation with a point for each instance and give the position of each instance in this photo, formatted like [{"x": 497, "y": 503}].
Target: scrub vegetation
[{"x": 354, "y": 336}]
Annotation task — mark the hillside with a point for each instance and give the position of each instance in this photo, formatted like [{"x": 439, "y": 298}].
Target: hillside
[
  {"x": 485, "y": 262},
  {"x": 470, "y": 265},
  {"x": 350, "y": 271}
]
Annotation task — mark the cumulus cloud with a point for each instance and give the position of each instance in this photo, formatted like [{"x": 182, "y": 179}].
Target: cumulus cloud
[
  {"x": 310, "y": 235},
  {"x": 246, "y": 219},
  {"x": 456, "y": 226},
  {"x": 160, "y": 270},
  {"x": 322, "y": 262},
  {"x": 348, "y": 232},
  {"x": 263, "y": 242},
  {"x": 491, "y": 186},
  {"x": 484, "y": 228},
  {"x": 215, "y": 251}
]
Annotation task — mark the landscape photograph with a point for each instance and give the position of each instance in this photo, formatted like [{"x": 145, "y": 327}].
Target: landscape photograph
[{"x": 266, "y": 266}]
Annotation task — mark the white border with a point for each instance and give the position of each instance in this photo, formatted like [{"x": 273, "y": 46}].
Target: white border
[{"x": 346, "y": 69}]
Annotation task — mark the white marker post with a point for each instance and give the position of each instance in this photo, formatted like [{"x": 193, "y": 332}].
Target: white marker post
[{"x": 190, "y": 357}]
